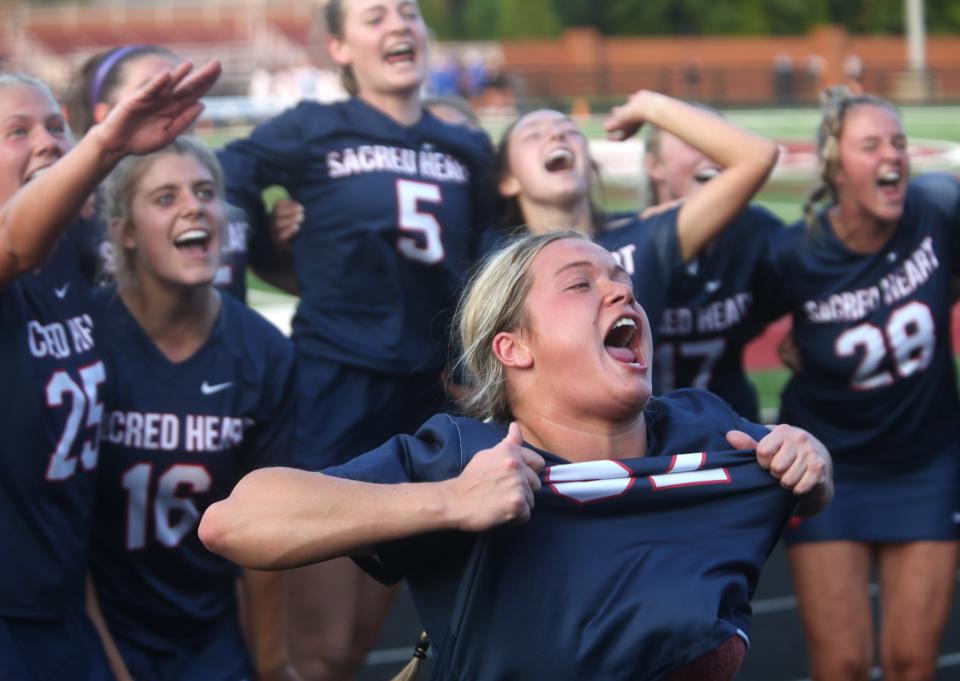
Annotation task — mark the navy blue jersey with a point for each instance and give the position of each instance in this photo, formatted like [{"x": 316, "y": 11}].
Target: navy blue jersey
[
  {"x": 232, "y": 272},
  {"x": 649, "y": 250},
  {"x": 390, "y": 227},
  {"x": 627, "y": 568},
  {"x": 50, "y": 410},
  {"x": 708, "y": 317},
  {"x": 877, "y": 382},
  {"x": 176, "y": 438}
]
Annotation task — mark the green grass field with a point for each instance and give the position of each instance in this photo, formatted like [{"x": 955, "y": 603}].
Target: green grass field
[{"x": 783, "y": 196}]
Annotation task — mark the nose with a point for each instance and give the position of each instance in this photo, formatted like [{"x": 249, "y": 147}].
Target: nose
[
  {"x": 192, "y": 206},
  {"x": 620, "y": 293},
  {"x": 46, "y": 143},
  {"x": 397, "y": 22}
]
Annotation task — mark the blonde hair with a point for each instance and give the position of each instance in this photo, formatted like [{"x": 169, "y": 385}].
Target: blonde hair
[
  {"x": 121, "y": 187},
  {"x": 837, "y": 102},
  {"x": 494, "y": 301}
]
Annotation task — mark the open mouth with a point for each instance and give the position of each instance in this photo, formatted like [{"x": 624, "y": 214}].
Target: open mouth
[
  {"x": 195, "y": 241},
  {"x": 401, "y": 53},
  {"x": 622, "y": 342},
  {"x": 36, "y": 173},
  {"x": 891, "y": 178},
  {"x": 558, "y": 160}
]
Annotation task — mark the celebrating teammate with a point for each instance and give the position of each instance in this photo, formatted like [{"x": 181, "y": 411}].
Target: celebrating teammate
[
  {"x": 50, "y": 362},
  {"x": 203, "y": 393},
  {"x": 392, "y": 197},
  {"x": 708, "y": 316},
  {"x": 546, "y": 174},
  {"x": 866, "y": 280},
  {"x": 637, "y": 561},
  {"x": 105, "y": 79}
]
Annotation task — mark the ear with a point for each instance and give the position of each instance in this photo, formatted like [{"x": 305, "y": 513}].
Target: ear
[
  {"x": 511, "y": 350},
  {"x": 100, "y": 111},
  {"x": 509, "y": 186},
  {"x": 339, "y": 51},
  {"x": 118, "y": 228},
  {"x": 653, "y": 166}
]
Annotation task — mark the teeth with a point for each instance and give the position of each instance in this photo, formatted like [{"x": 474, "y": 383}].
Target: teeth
[
  {"x": 37, "y": 173},
  {"x": 891, "y": 177},
  {"x": 625, "y": 321},
  {"x": 559, "y": 159},
  {"x": 191, "y": 235},
  {"x": 400, "y": 48}
]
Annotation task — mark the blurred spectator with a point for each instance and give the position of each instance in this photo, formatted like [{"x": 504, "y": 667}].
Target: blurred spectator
[{"x": 783, "y": 85}]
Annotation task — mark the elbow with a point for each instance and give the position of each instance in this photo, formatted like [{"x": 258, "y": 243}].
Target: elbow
[
  {"x": 215, "y": 532},
  {"x": 228, "y": 529}
]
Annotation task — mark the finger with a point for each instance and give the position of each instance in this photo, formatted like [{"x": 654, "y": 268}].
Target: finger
[
  {"x": 740, "y": 440},
  {"x": 533, "y": 460},
  {"x": 533, "y": 480},
  {"x": 772, "y": 443},
  {"x": 788, "y": 471},
  {"x": 198, "y": 82},
  {"x": 288, "y": 232},
  {"x": 810, "y": 481},
  {"x": 514, "y": 436},
  {"x": 185, "y": 119}
]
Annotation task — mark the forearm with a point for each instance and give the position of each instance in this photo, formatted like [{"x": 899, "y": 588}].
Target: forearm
[
  {"x": 746, "y": 160},
  {"x": 279, "y": 518},
  {"x": 263, "y": 592},
  {"x": 32, "y": 221},
  {"x": 117, "y": 665}
]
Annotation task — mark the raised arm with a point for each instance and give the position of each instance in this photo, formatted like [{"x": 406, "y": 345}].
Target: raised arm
[
  {"x": 279, "y": 518},
  {"x": 33, "y": 219},
  {"x": 746, "y": 159}
]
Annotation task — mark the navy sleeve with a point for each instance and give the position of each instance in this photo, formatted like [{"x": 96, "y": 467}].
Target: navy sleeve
[
  {"x": 435, "y": 453},
  {"x": 771, "y": 300},
  {"x": 942, "y": 190},
  {"x": 274, "y": 442}
]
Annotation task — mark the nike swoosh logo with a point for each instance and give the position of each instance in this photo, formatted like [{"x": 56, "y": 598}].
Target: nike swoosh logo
[
  {"x": 208, "y": 389},
  {"x": 61, "y": 292},
  {"x": 712, "y": 285}
]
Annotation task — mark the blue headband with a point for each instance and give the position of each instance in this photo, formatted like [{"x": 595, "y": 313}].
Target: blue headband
[{"x": 106, "y": 66}]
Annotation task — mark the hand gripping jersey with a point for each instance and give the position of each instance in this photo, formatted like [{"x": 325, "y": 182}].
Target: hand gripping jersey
[
  {"x": 649, "y": 250},
  {"x": 177, "y": 437},
  {"x": 627, "y": 569},
  {"x": 390, "y": 228},
  {"x": 877, "y": 384},
  {"x": 709, "y": 315},
  {"x": 53, "y": 379}
]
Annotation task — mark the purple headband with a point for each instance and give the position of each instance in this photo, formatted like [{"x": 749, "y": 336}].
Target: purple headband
[{"x": 106, "y": 66}]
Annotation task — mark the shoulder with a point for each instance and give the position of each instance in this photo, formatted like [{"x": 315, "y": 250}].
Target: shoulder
[
  {"x": 758, "y": 220},
  {"x": 248, "y": 333},
  {"x": 439, "y": 450},
  {"x": 695, "y": 419},
  {"x": 937, "y": 191},
  {"x": 473, "y": 145}
]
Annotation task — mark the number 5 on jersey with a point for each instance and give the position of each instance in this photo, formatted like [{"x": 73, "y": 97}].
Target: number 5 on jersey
[{"x": 420, "y": 232}]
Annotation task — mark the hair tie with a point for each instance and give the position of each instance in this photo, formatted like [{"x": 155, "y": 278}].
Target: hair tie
[{"x": 104, "y": 69}]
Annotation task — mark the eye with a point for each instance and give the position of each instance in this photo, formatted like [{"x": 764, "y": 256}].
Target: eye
[
  {"x": 165, "y": 199},
  {"x": 581, "y": 284},
  {"x": 205, "y": 193},
  {"x": 16, "y": 131},
  {"x": 57, "y": 129},
  {"x": 409, "y": 12}
]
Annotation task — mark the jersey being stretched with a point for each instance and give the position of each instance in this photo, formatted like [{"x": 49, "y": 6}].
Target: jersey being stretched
[
  {"x": 877, "y": 381},
  {"x": 709, "y": 315},
  {"x": 627, "y": 568},
  {"x": 176, "y": 438},
  {"x": 390, "y": 227},
  {"x": 50, "y": 411}
]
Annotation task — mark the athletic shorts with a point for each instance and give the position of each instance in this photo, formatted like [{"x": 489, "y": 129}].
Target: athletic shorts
[
  {"x": 345, "y": 411},
  {"x": 920, "y": 502},
  {"x": 52, "y": 650},
  {"x": 220, "y": 656}
]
